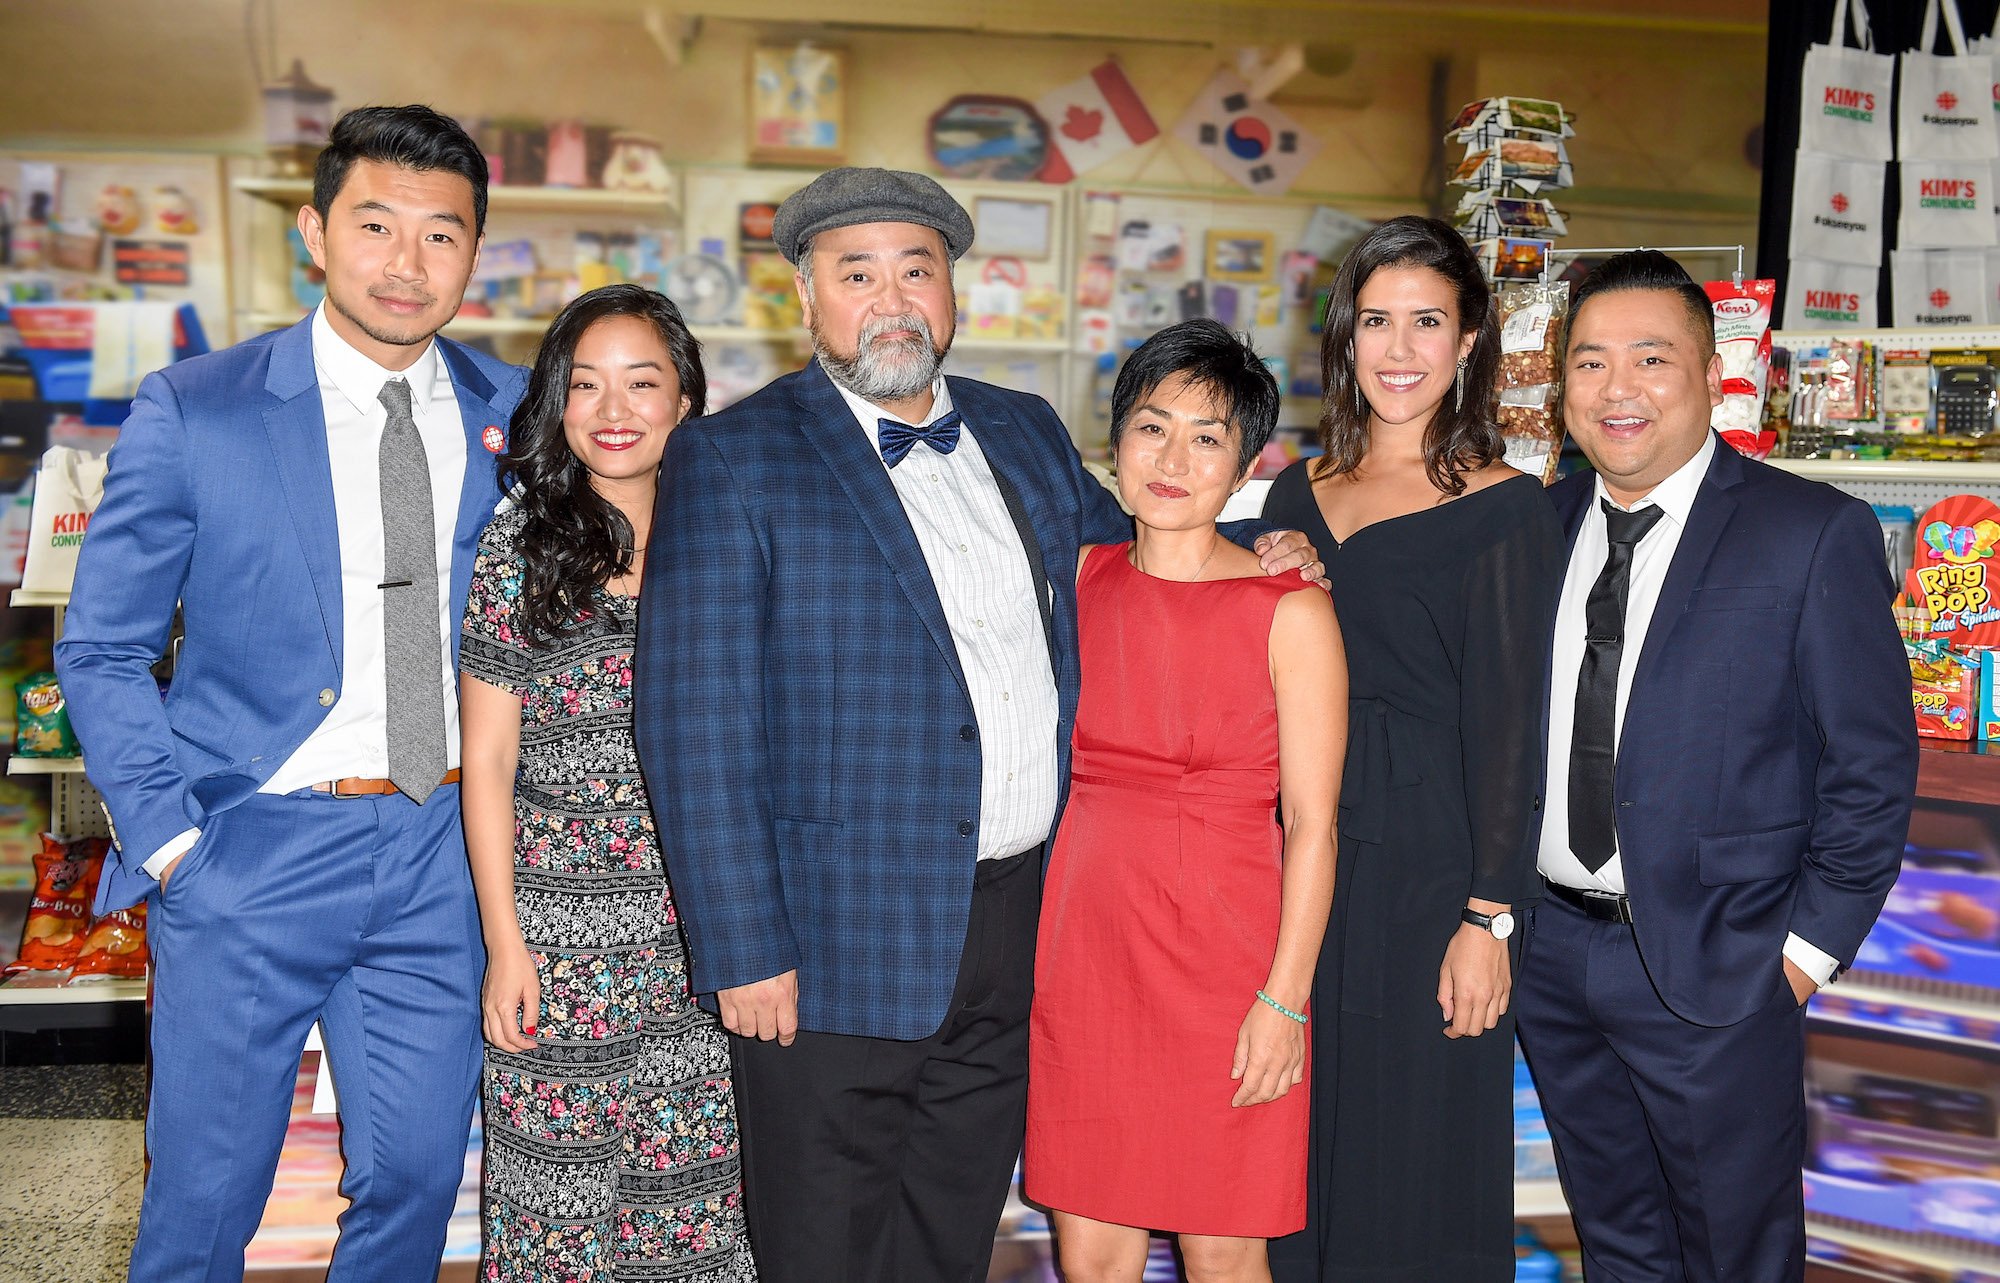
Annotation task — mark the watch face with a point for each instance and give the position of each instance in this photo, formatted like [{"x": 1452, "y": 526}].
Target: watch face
[{"x": 1503, "y": 925}]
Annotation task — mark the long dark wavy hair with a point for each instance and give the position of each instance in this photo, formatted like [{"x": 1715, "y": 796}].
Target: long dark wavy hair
[
  {"x": 1457, "y": 441},
  {"x": 574, "y": 540}
]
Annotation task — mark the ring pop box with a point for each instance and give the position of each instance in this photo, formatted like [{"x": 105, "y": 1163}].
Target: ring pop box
[{"x": 1944, "y": 689}]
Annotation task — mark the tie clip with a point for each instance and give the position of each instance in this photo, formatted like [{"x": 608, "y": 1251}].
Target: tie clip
[
  {"x": 1589, "y": 640},
  {"x": 396, "y": 583}
]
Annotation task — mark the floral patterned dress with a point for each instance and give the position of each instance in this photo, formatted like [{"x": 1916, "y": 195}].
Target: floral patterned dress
[{"x": 611, "y": 1148}]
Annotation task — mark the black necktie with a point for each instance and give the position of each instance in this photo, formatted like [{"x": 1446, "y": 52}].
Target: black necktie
[
  {"x": 1592, "y": 757},
  {"x": 898, "y": 438}
]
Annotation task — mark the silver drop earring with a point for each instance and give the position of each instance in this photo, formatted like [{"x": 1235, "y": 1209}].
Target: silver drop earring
[{"x": 1458, "y": 388}]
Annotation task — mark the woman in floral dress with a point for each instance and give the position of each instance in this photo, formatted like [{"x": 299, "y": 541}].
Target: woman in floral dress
[{"x": 611, "y": 1140}]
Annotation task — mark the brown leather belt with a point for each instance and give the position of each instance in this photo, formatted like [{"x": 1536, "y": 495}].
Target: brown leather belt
[{"x": 354, "y": 786}]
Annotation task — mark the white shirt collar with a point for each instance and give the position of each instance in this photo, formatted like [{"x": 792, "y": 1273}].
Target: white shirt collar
[
  {"x": 359, "y": 378},
  {"x": 1675, "y": 496},
  {"x": 869, "y": 415}
]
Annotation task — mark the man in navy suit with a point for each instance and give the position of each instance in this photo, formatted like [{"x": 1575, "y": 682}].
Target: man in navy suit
[
  {"x": 1731, "y": 759},
  {"x": 310, "y": 500},
  {"x": 857, "y": 673}
]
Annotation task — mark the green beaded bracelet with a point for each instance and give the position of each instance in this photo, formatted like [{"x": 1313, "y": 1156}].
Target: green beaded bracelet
[{"x": 1281, "y": 1008}]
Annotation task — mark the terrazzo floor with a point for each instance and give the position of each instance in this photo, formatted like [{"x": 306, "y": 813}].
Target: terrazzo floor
[{"x": 72, "y": 1157}]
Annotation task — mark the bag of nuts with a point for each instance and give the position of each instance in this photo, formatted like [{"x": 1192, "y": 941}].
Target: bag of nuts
[{"x": 1530, "y": 406}]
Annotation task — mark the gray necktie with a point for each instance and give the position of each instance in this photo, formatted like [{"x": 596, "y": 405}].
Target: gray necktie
[{"x": 414, "y": 650}]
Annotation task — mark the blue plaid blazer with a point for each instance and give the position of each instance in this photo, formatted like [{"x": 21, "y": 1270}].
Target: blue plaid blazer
[{"x": 800, "y": 702}]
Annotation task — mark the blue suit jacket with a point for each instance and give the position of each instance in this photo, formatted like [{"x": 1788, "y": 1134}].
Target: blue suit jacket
[
  {"x": 803, "y": 721},
  {"x": 220, "y": 499},
  {"x": 1768, "y": 755}
]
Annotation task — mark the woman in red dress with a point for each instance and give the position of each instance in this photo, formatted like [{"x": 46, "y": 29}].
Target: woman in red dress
[{"x": 1185, "y": 902}]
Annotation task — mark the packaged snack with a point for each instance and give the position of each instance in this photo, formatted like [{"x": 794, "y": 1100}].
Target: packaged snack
[
  {"x": 1742, "y": 312},
  {"x": 1944, "y": 689},
  {"x": 1904, "y": 393},
  {"x": 115, "y": 945},
  {"x": 1951, "y": 577},
  {"x": 41, "y": 720},
  {"x": 1529, "y": 410},
  {"x": 59, "y": 915},
  {"x": 1850, "y": 381}
]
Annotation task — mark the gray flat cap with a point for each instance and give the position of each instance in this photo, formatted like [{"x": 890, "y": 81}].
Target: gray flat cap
[{"x": 849, "y": 196}]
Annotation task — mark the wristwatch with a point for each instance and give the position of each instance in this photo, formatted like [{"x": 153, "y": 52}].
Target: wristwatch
[{"x": 1500, "y": 924}]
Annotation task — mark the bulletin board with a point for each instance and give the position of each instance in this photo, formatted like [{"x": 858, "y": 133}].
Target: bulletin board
[
  {"x": 180, "y": 232},
  {"x": 1148, "y": 260}
]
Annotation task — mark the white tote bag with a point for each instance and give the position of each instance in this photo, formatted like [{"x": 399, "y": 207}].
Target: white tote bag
[
  {"x": 1830, "y": 296},
  {"x": 1947, "y": 204},
  {"x": 1844, "y": 102},
  {"x": 1940, "y": 287},
  {"x": 1944, "y": 110},
  {"x": 68, "y": 485},
  {"x": 1837, "y": 208}
]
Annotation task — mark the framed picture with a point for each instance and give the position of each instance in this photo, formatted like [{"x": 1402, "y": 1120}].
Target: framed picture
[
  {"x": 1013, "y": 228},
  {"x": 798, "y": 105},
  {"x": 1240, "y": 256}
]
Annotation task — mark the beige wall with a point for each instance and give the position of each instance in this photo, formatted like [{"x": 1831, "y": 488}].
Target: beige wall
[{"x": 1659, "y": 153}]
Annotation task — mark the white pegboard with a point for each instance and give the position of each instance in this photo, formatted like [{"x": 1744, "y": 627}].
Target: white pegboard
[
  {"x": 76, "y": 808},
  {"x": 1916, "y": 336}
]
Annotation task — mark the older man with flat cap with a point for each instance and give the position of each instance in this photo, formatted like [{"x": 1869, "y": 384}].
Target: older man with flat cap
[{"x": 857, "y": 674}]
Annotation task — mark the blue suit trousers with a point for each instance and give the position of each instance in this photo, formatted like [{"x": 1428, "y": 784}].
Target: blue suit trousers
[{"x": 358, "y": 913}]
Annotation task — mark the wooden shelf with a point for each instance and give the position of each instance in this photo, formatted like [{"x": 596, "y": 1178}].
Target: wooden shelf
[
  {"x": 1539, "y": 1198},
  {"x": 294, "y": 192},
  {"x": 1959, "y": 771},
  {"x": 45, "y": 988},
  {"x": 1915, "y": 1249},
  {"x": 44, "y": 765},
  {"x": 1948, "y": 471}
]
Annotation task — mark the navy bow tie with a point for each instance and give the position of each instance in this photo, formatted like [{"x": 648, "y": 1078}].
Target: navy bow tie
[{"x": 897, "y": 437}]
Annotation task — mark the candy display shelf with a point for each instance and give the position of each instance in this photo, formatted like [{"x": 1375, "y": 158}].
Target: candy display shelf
[
  {"x": 1931, "y": 1251},
  {"x": 1857, "y": 1003}
]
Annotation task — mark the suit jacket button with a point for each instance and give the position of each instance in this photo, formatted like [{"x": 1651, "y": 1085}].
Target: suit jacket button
[
  {"x": 326, "y": 698},
  {"x": 967, "y": 733},
  {"x": 1536, "y": 805},
  {"x": 965, "y": 828}
]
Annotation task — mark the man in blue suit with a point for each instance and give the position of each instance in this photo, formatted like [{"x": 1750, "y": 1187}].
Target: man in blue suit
[
  {"x": 1731, "y": 758},
  {"x": 856, "y": 679},
  {"x": 310, "y": 500}
]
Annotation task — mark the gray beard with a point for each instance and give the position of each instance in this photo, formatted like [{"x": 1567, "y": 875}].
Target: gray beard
[{"x": 881, "y": 372}]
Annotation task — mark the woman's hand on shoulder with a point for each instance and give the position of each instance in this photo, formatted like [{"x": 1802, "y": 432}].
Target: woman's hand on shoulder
[{"x": 1082, "y": 557}]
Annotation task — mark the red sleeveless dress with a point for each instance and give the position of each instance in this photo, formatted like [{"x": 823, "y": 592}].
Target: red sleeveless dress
[{"x": 1160, "y": 917}]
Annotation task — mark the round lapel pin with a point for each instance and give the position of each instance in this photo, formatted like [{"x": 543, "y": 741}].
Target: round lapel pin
[{"x": 493, "y": 439}]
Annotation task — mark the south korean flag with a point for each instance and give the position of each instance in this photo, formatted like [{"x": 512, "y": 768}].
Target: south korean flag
[{"x": 1253, "y": 142}]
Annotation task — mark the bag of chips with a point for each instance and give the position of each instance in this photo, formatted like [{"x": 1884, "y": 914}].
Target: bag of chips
[
  {"x": 115, "y": 945},
  {"x": 41, "y": 719},
  {"x": 66, "y": 875}
]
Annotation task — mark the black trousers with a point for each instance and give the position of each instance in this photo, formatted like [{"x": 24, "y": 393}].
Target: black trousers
[
  {"x": 1679, "y": 1145},
  {"x": 870, "y": 1160}
]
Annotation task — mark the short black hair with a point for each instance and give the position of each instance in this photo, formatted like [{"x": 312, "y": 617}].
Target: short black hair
[
  {"x": 1649, "y": 269},
  {"x": 414, "y": 137},
  {"x": 1213, "y": 360}
]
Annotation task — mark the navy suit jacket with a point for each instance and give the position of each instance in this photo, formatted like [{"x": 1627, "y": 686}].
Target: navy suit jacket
[
  {"x": 803, "y": 722},
  {"x": 1768, "y": 755},
  {"x": 219, "y": 500}
]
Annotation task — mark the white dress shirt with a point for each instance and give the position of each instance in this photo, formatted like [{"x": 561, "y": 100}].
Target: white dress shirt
[
  {"x": 1655, "y": 553},
  {"x": 353, "y": 740},
  {"x": 983, "y": 582}
]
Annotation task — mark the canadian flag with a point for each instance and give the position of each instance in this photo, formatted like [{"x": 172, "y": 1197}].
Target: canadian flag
[{"x": 1092, "y": 120}]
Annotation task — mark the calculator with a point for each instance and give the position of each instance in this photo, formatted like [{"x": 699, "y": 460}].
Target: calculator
[{"x": 1965, "y": 401}]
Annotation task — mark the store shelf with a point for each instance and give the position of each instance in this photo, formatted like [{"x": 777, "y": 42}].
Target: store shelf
[
  {"x": 1539, "y": 1198},
  {"x": 1924, "y": 470},
  {"x": 35, "y": 597},
  {"x": 1854, "y": 1003},
  {"x": 1959, "y": 771},
  {"x": 532, "y": 200},
  {"x": 1972, "y": 1265},
  {"x": 44, "y": 765},
  {"x": 46, "y": 988},
  {"x": 1904, "y": 336}
]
